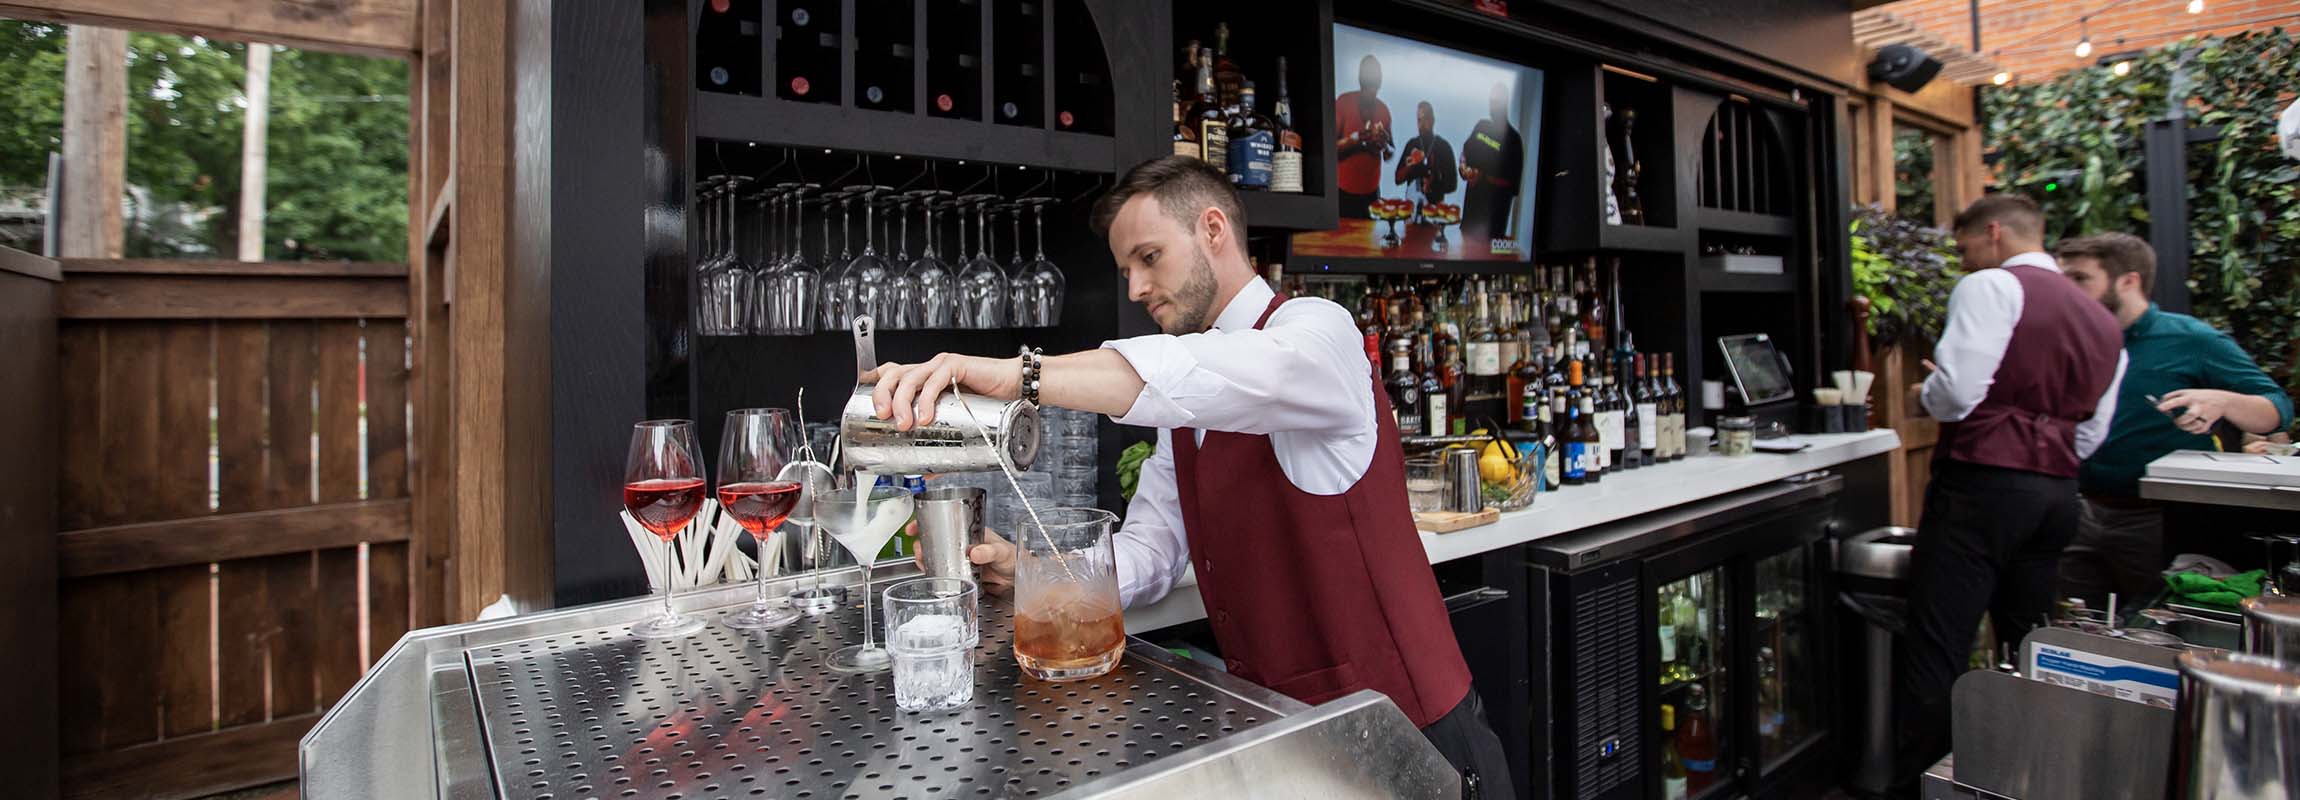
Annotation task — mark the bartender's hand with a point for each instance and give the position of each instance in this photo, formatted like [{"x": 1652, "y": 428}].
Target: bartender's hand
[
  {"x": 2205, "y": 407},
  {"x": 906, "y": 393},
  {"x": 993, "y": 562},
  {"x": 1469, "y": 173}
]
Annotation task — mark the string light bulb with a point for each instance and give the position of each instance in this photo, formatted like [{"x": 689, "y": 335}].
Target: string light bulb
[
  {"x": 2084, "y": 42},
  {"x": 2002, "y": 78},
  {"x": 2195, "y": 6},
  {"x": 2121, "y": 68}
]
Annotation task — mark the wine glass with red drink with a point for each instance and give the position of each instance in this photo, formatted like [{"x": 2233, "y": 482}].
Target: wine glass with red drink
[
  {"x": 663, "y": 488},
  {"x": 753, "y": 449}
]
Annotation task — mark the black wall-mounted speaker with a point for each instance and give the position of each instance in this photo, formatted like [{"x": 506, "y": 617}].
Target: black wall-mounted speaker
[{"x": 1903, "y": 67}]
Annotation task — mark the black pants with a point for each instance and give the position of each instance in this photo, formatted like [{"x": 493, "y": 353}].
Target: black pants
[
  {"x": 1358, "y": 206},
  {"x": 1468, "y": 743},
  {"x": 1990, "y": 541}
]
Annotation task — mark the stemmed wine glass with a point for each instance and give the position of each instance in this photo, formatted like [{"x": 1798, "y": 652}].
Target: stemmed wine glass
[
  {"x": 904, "y": 299},
  {"x": 863, "y": 518},
  {"x": 708, "y": 269},
  {"x": 834, "y": 292},
  {"x": 663, "y": 488},
  {"x": 981, "y": 284},
  {"x": 867, "y": 284},
  {"x": 1038, "y": 287},
  {"x": 802, "y": 278},
  {"x": 754, "y": 447},
  {"x": 934, "y": 305},
  {"x": 737, "y": 282}
]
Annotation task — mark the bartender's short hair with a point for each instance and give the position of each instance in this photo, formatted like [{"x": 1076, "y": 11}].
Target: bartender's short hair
[
  {"x": 1183, "y": 186},
  {"x": 2118, "y": 254},
  {"x": 2016, "y": 213}
]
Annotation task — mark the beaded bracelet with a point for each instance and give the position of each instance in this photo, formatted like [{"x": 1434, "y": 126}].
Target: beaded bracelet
[{"x": 1032, "y": 366}]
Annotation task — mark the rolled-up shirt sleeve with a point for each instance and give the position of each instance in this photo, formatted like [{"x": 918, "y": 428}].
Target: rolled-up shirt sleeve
[
  {"x": 1982, "y": 311},
  {"x": 1309, "y": 374},
  {"x": 1151, "y": 548}
]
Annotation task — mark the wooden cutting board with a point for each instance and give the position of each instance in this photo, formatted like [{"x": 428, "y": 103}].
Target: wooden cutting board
[{"x": 1450, "y": 521}]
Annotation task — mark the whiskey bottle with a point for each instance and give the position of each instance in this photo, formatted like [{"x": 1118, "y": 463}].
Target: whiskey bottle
[
  {"x": 1252, "y": 142},
  {"x": 1208, "y": 128},
  {"x": 1405, "y": 389},
  {"x": 1227, "y": 78},
  {"x": 1286, "y": 161},
  {"x": 1626, "y": 177}
]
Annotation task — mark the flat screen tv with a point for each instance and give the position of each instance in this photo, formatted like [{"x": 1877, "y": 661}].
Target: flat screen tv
[{"x": 1436, "y": 153}]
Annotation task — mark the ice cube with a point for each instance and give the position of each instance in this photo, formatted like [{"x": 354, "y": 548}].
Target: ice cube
[{"x": 928, "y": 632}]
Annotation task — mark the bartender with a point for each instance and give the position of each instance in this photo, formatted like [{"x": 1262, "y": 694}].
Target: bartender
[{"x": 1278, "y": 473}]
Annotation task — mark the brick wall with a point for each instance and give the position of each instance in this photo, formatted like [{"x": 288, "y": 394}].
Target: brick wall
[{"x": 2036, "y": 39}]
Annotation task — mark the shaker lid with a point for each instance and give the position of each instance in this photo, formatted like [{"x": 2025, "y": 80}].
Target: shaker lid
[
  {"x": 2240, "y": 673},
  {"x": 2276, "y": 610}
]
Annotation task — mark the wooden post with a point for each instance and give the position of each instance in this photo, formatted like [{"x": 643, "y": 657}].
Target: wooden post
[
  {"x": 1880, "y": 153},
  {"x": 95, "y": 142},
  {"x": 252, "y": 170}
]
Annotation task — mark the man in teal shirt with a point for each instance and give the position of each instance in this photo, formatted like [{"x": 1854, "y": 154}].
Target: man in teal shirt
[{"x": 2184, "y": 378}]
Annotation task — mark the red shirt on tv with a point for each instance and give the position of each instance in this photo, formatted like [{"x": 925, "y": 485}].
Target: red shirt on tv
[{"x": 1359, "y": 172}]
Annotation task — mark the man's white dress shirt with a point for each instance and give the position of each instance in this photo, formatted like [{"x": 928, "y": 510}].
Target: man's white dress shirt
[
  {"x": 1303, "y": 380},
  {"x": 1983, "y": 309}
]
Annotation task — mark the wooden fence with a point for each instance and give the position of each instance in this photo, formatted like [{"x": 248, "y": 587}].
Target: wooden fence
[{"x": 234, "y": 512}]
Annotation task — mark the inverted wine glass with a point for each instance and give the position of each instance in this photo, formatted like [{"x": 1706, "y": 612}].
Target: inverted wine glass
[
  {"x": 1038, "y": 287},
  {"x": 935, "y": 304},
  {"x": 738, "y": 281},
  {"x": 754, "y": 447},
  {"x": 663, "y": 488},
  {"x": 902, "y": 302},
  {"x": 711, "y": 267},
  {"x": 834, "y": 312},
  {"x": 982, "y": 300},
  {"x": 863, "y": 519},
  {"x": 868, "y": 283}
]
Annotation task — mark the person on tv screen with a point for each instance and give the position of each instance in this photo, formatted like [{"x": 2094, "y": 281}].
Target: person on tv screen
[
  {"x": 1492, "y": 158},
  {"x": 1428, "y": 164},
  {"x": 1364, "y": 122}
]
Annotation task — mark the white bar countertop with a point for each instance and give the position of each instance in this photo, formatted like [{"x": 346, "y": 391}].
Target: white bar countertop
[{"x": 1620, "y": 496}]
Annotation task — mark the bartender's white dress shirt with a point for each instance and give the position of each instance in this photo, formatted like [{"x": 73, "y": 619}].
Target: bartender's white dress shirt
[
  {"x": 1983, "y": 309},
  {"x": 1303, "y": 380}
]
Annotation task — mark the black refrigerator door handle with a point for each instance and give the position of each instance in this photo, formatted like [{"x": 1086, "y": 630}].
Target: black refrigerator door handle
[{"x": 1474, "y": 597}]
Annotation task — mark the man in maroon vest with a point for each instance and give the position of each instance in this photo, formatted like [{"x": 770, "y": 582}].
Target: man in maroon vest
[
  {"x": 1278, "y": 474},
  {"x": 2024, "y": 389}
]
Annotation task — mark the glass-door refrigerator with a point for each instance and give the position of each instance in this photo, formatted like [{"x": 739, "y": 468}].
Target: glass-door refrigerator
[{"x": 1714, "y": 610}]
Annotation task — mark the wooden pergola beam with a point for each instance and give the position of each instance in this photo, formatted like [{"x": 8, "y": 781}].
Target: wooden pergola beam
[{"x": 368, "y": 27}]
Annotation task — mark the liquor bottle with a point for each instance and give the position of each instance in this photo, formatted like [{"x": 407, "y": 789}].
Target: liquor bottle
[
  {"x": 1608, "y": 418},
  {"x": 1525, "y": 375},
  {"x": 1634, "y": 418},
  {"x": 1253, "y": 140},
  {"x": 1648, "y": 416},
  {"x": 1625, "y": 178},
  {"x": 1184, "y": 143},
  {"x": 1227, "y": 78},
  {"x": 1665, "y": 635},
  {"x": 1577, "y": 434},
  {"x": 1592, "y": 446},
  {"x": 1187, "y": 72},
  {"x": 1672, "y": 767},
  {"x": 1208, "y": 129},
  {"x": 1405, "y": 390},
  {"x": 1673, "y": 436},
  {"x": 1770, "y": 715},
  {"x": 1483, "y": 390},
  {"x": 1433, "y": 391},
  {"x": 1506, "y": 331},
  {"x": 1697, "y": 741},
  {"x": 1553, "y": 416},
  {"x": 1286, "y": 162}
]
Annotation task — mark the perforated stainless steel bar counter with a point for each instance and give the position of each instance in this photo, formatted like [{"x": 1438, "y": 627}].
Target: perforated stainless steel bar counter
[{"x": 568, "y": 704}]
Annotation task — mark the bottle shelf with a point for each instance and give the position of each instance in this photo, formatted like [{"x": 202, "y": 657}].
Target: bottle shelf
[
  {"x": 1743, "y": 222},
  {"x": 737, "y": 118}
]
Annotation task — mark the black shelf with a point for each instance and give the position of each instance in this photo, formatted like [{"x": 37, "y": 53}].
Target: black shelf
[
  {"x": 779, "y": 122},
  {"x": 1713, "y": 282},
  {"x": 1742, "y": 222},
  {"x": 1642, "y": 238},
  {"x": 1293, "y": 211},
  {"x": 1403, "y": 266}
]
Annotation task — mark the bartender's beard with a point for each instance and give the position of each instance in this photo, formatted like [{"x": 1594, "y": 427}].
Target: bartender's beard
[{"x": 1195, "y": 300}]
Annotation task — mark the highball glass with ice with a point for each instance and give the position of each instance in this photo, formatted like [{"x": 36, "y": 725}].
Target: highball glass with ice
[
  {"x": 1067, "y": 624},
  {"x": 932, "y": 629}
]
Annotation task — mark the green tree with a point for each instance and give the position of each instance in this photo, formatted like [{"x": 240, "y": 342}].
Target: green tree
[{"x": 337, "y": 143}]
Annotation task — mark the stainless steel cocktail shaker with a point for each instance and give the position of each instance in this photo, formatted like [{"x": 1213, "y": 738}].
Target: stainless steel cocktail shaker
[{"x": 972, "y": 434}]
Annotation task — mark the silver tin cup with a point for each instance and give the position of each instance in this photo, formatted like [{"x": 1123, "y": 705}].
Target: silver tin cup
[
  {"x": 2272, "y": 627},
  {"x": 950, "y": 521},
  {"x": 1464, "y": 490},
  {"x": 2239, "y": 723}
]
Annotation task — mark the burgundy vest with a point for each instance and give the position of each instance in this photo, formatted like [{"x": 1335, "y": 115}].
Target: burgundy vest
[
  {"x": 1317, "y": 596},
  {"x": 2061, "y": 358}
]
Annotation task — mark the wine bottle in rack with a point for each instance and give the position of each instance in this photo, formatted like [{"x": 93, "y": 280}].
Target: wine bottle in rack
[
  {"x": 807, "y": 51},
  {"x": 727, "y": 48}
]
